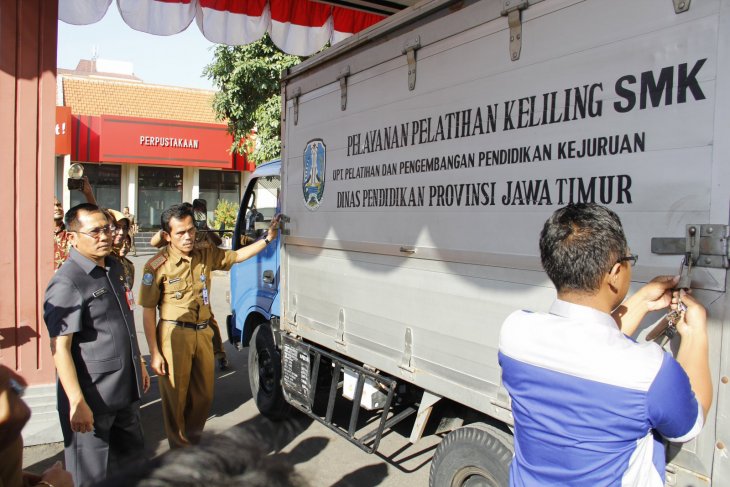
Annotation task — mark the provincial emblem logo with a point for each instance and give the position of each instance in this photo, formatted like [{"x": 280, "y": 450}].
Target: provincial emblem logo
[{"x": 315, "y": 154}]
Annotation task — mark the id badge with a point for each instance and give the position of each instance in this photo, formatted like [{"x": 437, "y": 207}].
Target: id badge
[
  {"x": 205, "y": 296},
  {"x": 130, "y": 298}
]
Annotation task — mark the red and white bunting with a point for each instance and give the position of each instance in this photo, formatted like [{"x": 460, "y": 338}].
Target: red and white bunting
[
  {"x": 234, "y": 23},
  {"x": 300, "y": 27},
  {"x": 160, "y": 17},
  {"x": 82, "y": 13}
]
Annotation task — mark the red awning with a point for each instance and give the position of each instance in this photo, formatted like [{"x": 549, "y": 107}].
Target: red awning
[{"x": 300, "y": 27}]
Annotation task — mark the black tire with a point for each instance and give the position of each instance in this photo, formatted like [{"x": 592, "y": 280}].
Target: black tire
[
  {"x": 264, "y": 374},
  {"x": 477, "y": 455}
]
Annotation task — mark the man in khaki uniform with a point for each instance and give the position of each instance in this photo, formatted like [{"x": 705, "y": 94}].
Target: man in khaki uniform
[
  {"x": 177, "y": 281},
  {"x": 204, "y": 239}
]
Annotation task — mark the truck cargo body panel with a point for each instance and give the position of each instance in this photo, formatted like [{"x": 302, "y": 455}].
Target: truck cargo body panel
[{"x": 415, "y": 214}]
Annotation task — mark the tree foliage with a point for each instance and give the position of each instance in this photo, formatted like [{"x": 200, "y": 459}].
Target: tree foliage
[
  {"x": 225, "y": 215},
  {"x": 249, "y": 94}
]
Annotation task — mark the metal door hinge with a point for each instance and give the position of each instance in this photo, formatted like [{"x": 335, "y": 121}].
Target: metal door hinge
[
  {"x": 340, "y": 337},
  {"x": 344, "y": 74},
  {"x": 406, "y": 362},
  {"x": 410, "y": 51},
  {"x": 283, "y": 221},
  {"x": 513, "y": 11},
  {"x": 681, "y": 6},
  {"x": 704, "y": 245},
  {"x": 297, "y": 94}
]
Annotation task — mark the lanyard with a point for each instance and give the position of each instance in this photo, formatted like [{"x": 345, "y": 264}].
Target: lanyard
[
  {"x": 206, "y": 300},
  {"x": 127, "y": 292}
]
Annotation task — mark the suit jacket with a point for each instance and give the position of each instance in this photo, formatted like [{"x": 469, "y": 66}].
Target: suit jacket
[{"x": 88, "y": 301}]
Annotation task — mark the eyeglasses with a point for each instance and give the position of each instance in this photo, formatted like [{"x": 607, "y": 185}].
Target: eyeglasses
[
  {"x": 633, "y": 258},
  {"x": 95, "y": 233}
]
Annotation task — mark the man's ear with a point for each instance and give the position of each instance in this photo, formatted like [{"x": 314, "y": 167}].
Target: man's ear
[
  {"x": 165, "y": 236},
  {"x": 73, "y": 238},
  {"x": 615, "y": 273}
]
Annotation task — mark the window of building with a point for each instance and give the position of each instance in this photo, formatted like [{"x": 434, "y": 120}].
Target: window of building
[
  {"x": 158, "y": 189},
  {"x": 106, "y": 182},
  {"x": 219, "y": 185}
]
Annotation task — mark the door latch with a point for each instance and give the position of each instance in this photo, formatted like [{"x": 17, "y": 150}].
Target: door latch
[
  {"x": 283, "y": 220},
  {"x": 704, "y": 245}
]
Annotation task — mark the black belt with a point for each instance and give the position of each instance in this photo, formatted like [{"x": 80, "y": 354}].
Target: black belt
[{"x": 187, "y": 324}]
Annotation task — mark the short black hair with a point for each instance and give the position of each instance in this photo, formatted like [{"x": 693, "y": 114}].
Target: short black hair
[
  {"x": 579, "y": 244},
  {"x": 175, "y": 211},
  {"x": 71, "y": 219},
  {"x": 233, "y": 457}
]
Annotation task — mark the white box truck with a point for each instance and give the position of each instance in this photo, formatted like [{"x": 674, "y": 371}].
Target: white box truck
[{"x": 420, "y": 160}]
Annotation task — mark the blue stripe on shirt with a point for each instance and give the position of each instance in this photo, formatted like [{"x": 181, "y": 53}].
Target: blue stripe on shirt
[
  {"x": 598, "y": 426},
  {"x": 669, "y": 415}
]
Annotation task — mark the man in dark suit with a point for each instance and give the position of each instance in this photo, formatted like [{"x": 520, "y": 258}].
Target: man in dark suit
[{"x": 88, "y": 312}]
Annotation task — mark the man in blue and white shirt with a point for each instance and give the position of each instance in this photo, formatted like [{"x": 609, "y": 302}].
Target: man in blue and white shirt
[{"x": 590, "y": 404}]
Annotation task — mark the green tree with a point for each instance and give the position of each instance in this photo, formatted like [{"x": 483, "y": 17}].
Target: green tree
[
  {"x": 225, "y": 215},
  {"x": 249, "y": 94}
]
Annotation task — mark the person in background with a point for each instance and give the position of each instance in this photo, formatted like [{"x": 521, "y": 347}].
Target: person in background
[
  {"x": 176, "y": 281},
  {"x": 121, "y": 234},
  {"x": 590, "y": 404},
  {"x": 101, "y": 376},
  {"x": 14, "y": 413},
  {"x": 204, "y": 239},
  {"x": 61, "y": 243},
  {"x": 132, "y": 229},
  {"x": 126, "y": 247}
]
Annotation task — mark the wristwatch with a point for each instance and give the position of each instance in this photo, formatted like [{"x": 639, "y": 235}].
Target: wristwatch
[{"x": 266, "y": 239}]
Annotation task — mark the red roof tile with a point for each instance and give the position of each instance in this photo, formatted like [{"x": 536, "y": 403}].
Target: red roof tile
[{"x": 89, "y": 96}]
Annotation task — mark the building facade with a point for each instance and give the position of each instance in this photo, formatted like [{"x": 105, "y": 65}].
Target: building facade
[{"x": 144, "y": 146}]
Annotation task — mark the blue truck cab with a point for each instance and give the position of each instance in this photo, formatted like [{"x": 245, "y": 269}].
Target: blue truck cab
[{"x": 255, "y": 282}]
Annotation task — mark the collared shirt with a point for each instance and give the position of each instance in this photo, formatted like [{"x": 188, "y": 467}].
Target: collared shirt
[
  {"x": 87, "y": 301},
  {"x": 587, "y": 400},
  {"x": 176, "y": 282},
  {"x": 61, "y": 246}
]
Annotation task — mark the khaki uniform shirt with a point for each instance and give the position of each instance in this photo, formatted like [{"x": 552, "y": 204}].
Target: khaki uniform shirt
[{"x": 173, "y": 282}]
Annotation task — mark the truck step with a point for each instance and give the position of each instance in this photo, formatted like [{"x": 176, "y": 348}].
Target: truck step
[{"x": 301, "y": 364}]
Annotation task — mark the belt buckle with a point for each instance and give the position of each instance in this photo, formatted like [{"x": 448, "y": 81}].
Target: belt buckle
[{"x": 201, "y": 326}]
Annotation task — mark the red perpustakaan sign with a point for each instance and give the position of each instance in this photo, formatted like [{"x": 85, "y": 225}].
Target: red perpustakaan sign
[{"x": 163, "y": 142}]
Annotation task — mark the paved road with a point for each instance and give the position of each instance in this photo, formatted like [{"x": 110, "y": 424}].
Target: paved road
[{"x": 321, "y": 456}]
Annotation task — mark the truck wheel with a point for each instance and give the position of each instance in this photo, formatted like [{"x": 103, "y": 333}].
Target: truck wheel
[
  {"x": 477, "y": 455},
  {"x": 264, "y": 374}
]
